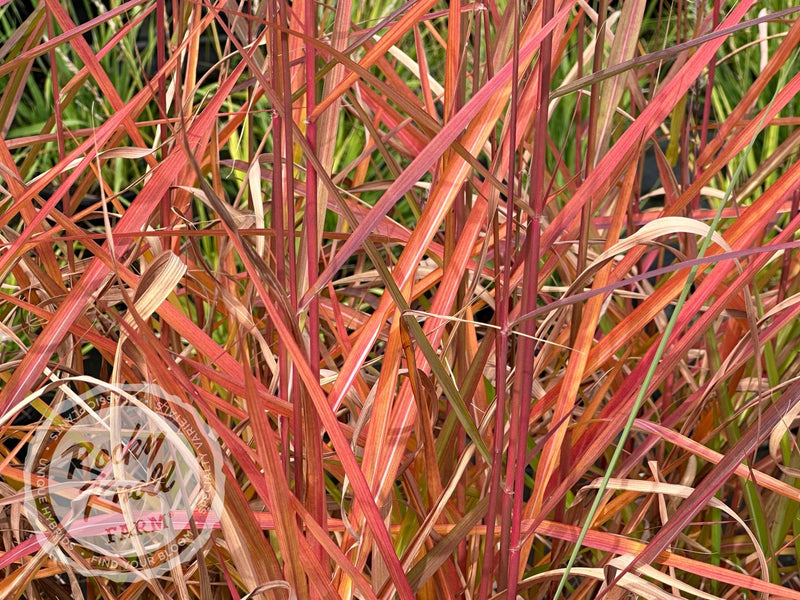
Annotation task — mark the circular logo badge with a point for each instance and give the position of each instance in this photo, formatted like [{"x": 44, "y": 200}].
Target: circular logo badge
[{"x": 124, "y": 482}]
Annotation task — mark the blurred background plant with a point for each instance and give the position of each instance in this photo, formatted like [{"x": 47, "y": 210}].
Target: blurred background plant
[{"x": 484, "y": 299}]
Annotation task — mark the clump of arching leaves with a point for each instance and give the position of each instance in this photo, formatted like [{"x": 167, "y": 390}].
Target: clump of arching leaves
[{"x": 483, "y": 299}]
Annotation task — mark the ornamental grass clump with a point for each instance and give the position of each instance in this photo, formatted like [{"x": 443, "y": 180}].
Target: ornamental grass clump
[{"x": 422, "y": 300}]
